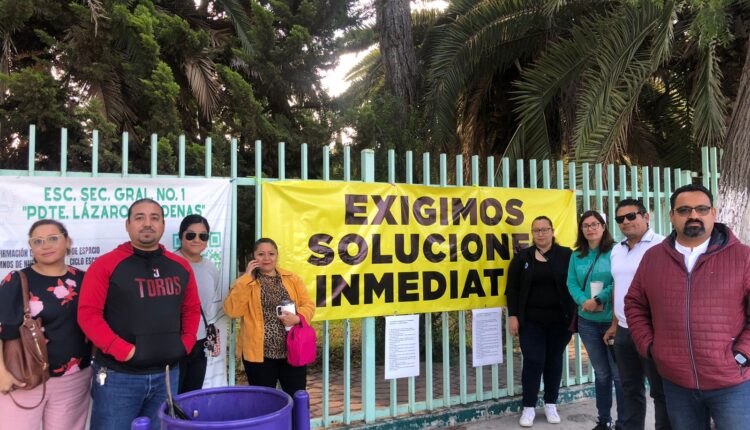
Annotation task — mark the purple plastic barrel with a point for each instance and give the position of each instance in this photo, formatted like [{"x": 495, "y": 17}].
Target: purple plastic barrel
[
  {"x": 301, "y": 410},
  {"x": 232, "y": 408}
]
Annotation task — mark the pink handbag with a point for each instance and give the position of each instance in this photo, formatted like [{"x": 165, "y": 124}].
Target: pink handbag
[{"x": 301, "y": 344}]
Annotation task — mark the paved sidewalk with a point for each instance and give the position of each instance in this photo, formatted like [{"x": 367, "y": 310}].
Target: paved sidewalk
[
  {"x": 382, "y": 388},
  {"x": 575, "y": 416}
]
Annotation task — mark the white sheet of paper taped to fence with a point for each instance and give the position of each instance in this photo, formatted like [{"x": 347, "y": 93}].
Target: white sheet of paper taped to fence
[
  {"x": 94, "y": 210},
  {"x": 401, "y": 346},
  {"x": 486, "y": 336}
]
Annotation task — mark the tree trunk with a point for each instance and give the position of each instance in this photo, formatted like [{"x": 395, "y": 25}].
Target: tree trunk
[
  {"x": 735, "y": 163},
  {"x": 397, "y": 49}
]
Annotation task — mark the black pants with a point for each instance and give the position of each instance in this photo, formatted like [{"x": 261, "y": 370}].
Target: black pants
[
  {"x": 193, "y": 369},
  {"x": 542, "y": 347},
  {"x": 271, "y": 370},
  {"x": 633, "y": 368}
]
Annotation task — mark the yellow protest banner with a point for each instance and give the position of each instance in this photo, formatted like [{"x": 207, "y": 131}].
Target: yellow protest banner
[{"x": 369, "y": 249}]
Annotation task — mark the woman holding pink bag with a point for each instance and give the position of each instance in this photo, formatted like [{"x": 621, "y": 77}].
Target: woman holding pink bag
[{"x": 270, "y": 300}]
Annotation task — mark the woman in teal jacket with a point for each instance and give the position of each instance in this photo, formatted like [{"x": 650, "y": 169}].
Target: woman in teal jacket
[{"x": 589, "y": 265}]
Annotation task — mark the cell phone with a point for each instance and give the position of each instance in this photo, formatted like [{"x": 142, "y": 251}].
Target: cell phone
[
  {"x": 255, "y": 271},
  {"x": 611, "y": 347}
]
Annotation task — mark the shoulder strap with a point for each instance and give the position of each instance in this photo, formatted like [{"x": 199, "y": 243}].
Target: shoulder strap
[
  {"x": 205, "y": 321},
  {"x": 25, "y": 290},
  {"x": 533, "y": 257},
  {"x": 586, "y": 278}
]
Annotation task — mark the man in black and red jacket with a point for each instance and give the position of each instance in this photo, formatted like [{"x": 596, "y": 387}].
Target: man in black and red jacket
[{"x": 139, "y": 305}]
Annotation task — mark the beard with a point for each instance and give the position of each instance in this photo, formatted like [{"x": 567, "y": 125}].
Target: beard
[
  {"x": 694, "y": 230},
  {"x": 143, "y": 237}
]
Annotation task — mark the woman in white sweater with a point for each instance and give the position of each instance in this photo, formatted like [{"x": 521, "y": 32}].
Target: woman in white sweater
[{"x": 194, "y": 234}]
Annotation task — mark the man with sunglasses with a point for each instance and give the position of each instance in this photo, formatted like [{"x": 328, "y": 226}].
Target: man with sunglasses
[
  {"x": 139, "y": 305},
  {"x": 688, "y": 309},
  {"x": 633, "y": 221}
]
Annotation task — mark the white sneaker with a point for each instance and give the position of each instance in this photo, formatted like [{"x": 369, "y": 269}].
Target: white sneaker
[
  {"x": 550, "y": 410},
  {"x": 527, "y": 417}
]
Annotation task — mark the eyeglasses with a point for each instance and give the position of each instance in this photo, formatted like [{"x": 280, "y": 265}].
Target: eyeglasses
[
  {"x": 630, "y": 217},
  {"x": 53, "y": 239},
  {"x": 191, "y": 235},
  {"x": 592, "y": 226},
  {"x": 541, "y": 230},
  {"x": 687, "y": 210}
]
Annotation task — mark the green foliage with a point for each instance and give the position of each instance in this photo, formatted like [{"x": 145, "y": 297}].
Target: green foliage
[
  {"x": 217, "y": 68},
  {"x": 586, "y": 77},
  {"x": 160, "y": 95},
  {"x": 15, "y": 14},
  {"x": 43, "y": 106}
]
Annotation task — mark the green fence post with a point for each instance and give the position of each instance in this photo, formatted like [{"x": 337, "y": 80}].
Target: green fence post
[
  {"x": 368, "y": 324},
  {"x": 233, "y": 272},
  {"x": 714, "y": 166},
  {"x": 429, "y": 395},
  {"x": 348, "y": 327},
  {"x": 95, "y": 154},
  {"x": 706, "y": 180},
  {"x": 32, "y": 150},
  {"x": 154, "y": 154},
  {"x": 326, "y": 324},
  {"x": 207, "y": 162},
  {"x": 125, "y": 153},
  {"x": 181, "y": 156},
  {"x": 258, "y": 188},
  {"x": 63, "y": 151}
]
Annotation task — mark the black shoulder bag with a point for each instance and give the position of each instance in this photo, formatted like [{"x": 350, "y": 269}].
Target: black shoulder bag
[{"x": 212, "y": 345}]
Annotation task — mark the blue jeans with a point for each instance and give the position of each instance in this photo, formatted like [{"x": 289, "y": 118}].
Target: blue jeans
[
  {"x": 692, "y": 409},
  {"x": 126, "y": 396},
  {"x": 605, "y": 369}
]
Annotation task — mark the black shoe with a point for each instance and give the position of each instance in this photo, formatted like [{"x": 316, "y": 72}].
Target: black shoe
[{"x": 603, "y": 426}]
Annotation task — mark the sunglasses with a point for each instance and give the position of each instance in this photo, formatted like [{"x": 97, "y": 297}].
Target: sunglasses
[
  {"x": 630, "y": 217},
  {"x": 687, "y": 210},
  {"x": 190, "y": 236}
]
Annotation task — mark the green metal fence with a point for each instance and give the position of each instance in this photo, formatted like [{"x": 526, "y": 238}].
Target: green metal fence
[{"x": 597, "y": 187}]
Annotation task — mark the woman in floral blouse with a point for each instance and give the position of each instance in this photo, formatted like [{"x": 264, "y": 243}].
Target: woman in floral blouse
[{"x": 53, "y": 297}]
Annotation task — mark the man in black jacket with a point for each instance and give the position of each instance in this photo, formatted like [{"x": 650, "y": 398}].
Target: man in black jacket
[{"x": 139, "y": 305}]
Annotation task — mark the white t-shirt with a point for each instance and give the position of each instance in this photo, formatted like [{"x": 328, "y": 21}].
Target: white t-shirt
[
  {"x": 624, "y": 262},
  {"x": 692, "y": 254}
]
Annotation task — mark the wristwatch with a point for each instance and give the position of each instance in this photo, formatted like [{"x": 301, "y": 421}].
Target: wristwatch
[
  {"x": 740, "y": 358},
  {"x": 597, "y": 300}
]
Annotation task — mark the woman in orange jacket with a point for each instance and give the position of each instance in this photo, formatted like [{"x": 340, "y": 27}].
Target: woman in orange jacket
[{"x": 255, "y": 297}]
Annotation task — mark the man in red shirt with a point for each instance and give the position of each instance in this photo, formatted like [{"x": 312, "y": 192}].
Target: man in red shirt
[{"x": 139, "y": 305}]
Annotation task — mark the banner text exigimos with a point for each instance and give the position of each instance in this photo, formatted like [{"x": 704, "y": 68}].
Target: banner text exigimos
[{"x": 383, "y": 249}]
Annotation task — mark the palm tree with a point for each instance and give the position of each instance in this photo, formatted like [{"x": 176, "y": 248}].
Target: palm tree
[
  {"x": 586, "y": 74},
  {"x": 106, "y": 35}
]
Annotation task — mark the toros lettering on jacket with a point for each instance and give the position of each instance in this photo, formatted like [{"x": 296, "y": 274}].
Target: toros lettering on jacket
[{"x": 169, "y": 286}]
